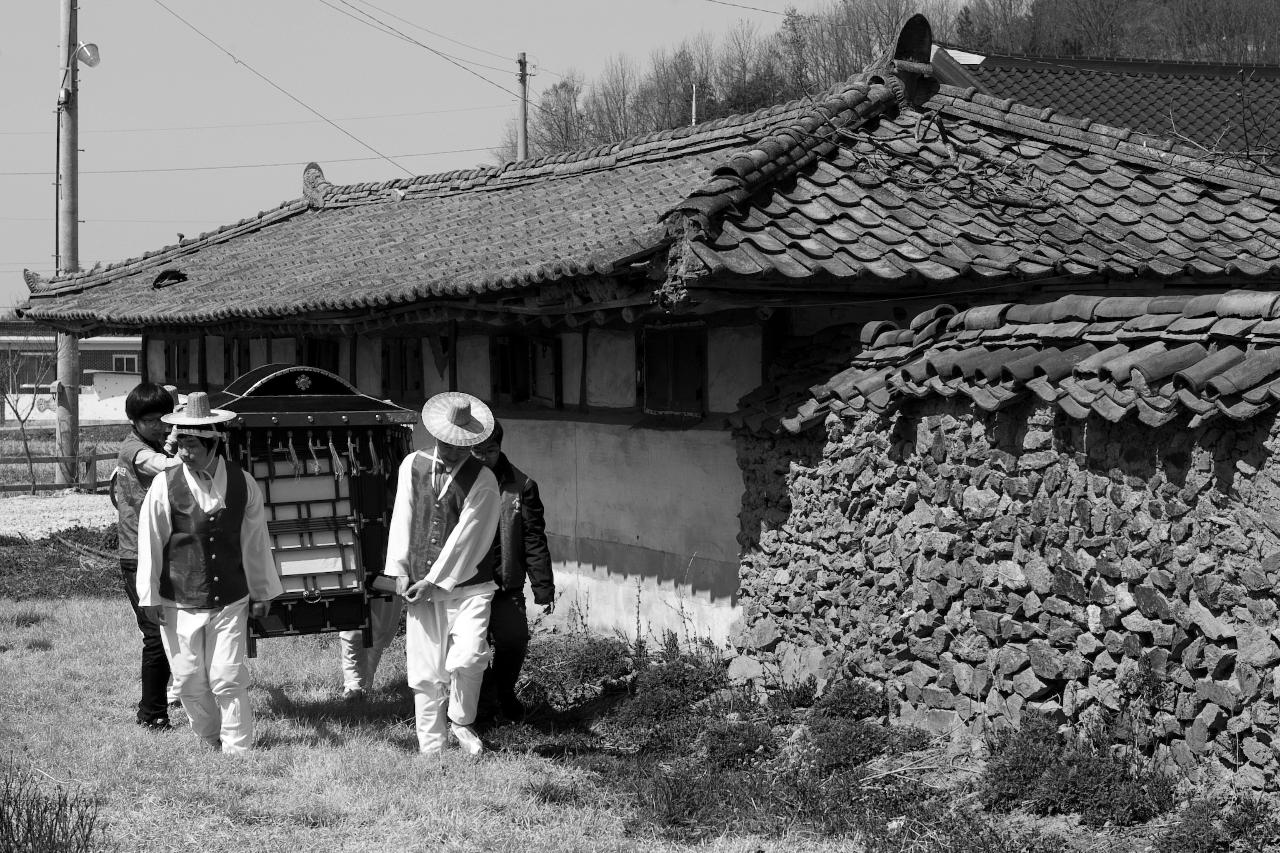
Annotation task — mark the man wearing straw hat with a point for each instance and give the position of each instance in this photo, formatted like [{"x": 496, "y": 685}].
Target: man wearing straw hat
[
  {"x": 204, "y": 562},
  {"x": 444, "y": 519}
]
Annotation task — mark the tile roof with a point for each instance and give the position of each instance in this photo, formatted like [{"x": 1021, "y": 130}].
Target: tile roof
[
  {"x": 1151, "y": 358},
  {"x": 842, "y": 193},
  {"x": 977, "y": 189},
  {"x": 374, "y": 245},
  {"x": 1196, "y": 101}
]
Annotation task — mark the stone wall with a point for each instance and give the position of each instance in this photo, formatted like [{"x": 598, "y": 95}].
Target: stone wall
[{"x": 985, "y": 564}]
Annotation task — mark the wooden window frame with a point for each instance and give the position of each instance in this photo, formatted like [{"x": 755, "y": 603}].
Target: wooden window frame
[
  {"x": 656, "y": 348},
  {"x": 504, "y": 354}
]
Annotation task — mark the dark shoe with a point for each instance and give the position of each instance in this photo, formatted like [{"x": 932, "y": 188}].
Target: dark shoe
[
  {"x": 175, "y": 703},
  {"x": 157, "y": 723},
  {"x": 353, "y": 694}
]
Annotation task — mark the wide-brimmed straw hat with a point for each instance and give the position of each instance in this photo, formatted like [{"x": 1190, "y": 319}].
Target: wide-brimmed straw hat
[
  {"x": 197, "y": 418},
  {"x": 457, "y": 418}
]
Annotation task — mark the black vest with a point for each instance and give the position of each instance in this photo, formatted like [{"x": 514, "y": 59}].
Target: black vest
[
  {"x": 203, "y": 565},
  {"x": 435, "y": 516}
]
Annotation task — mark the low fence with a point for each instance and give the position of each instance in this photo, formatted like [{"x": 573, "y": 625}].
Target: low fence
[{"x": 86, "y": 472}]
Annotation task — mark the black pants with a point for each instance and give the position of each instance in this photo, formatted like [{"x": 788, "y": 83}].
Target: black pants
[
  {"x": 509, "y": 636},
  {"x": 155, "y": 663}
]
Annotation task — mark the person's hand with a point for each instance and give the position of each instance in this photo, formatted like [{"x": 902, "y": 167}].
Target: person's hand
[
  {"x": 420, "y": 591},
  {"x": 153, "y": 613},
  {"x": 258, "y": 609},
  {"x": 549, "y": 607}
]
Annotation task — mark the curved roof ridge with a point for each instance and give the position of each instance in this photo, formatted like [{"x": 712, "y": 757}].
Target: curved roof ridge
[{"x": 572, "y": 162}]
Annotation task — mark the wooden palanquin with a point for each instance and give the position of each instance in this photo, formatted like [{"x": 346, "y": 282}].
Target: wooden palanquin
[{"x": 326, "y": 457}]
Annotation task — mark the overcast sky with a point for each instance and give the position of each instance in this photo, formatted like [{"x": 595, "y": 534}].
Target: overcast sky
[{"x": 176, "y": 136}]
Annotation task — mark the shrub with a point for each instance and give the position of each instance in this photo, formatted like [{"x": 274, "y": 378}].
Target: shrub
[
  {"x": 837, "y": 743},
  {"x": 1017, "y": 759},
  {"x": 671, "y": 688},
  {"x": 854, "y": 700},
  {"x": 736, "y": 744},
  {"x": 1230, "y": 823},
  {"x": 33, "y": 821},
  {"x": 1038, "y": 767},
  {"x": 788, "y": 697},
  {"x": 566, "y": 669},
  {"x": 1102, "y": 789}
]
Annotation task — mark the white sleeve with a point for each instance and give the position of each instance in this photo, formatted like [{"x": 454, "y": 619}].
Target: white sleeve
[
  {"x": 154, "y": 529},
  {"x": 398, "y": 535},
  {"x": 255, "y": 546}
]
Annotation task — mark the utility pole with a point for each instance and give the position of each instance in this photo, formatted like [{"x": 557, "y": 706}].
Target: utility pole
[
  {"x": 693, "y": 107},
  {"x": 522, "y": 129},
  {"x": 68, "y": 248}
]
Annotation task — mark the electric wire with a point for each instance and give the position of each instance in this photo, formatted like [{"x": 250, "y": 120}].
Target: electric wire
[
  {"x": 83, "y": 131},
  {"x": 433, "y": 32},
  {"x": 282, "y": 90},
  {"x": 369, "y": 20},
  {"x": 48, "y": 172}
]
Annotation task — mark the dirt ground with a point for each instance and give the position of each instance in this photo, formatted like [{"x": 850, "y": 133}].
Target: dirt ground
[{"x": 36, "y": 516}]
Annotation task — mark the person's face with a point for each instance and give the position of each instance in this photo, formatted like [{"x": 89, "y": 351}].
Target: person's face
[
  {"x": 487, "y": 452},
  {"x": 450, "y": 454},
  {"x": 193, "y": 453},
  {"x": 151, "y": 428}
]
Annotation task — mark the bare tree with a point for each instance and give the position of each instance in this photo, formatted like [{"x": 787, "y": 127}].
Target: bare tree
[
  {"x": 25, "y": 363},
  {"x": 610, "y": 104},
  {"x": 557, "y": 123}
]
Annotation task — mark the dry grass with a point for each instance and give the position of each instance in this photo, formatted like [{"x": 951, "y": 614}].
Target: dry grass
[{"x": 328, "y": 778}]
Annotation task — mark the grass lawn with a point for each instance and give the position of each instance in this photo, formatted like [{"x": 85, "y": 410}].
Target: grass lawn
[
  {"x": 327, "y": 777},
  {"x": 629, "y": 746}
]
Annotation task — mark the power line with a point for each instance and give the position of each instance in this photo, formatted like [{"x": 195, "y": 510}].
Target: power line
[
  {"x": 110, "y": 219},
  {"x": 433, "y": 32},
  {"x": 281, "y": 90},
  {"x": 382, "y": 27},
  {"x": 442, "y": 55},
  {"x": 47, "y": 173},
  {"x": 256, "y": 123},
  {"x": 751, "y": 8}
]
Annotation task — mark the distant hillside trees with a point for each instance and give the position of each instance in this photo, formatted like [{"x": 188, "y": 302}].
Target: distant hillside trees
[
  {"x": 746, "y": 69},
  {"x": 750, "y": 67},
  {"x": 1225, "y": 31}
]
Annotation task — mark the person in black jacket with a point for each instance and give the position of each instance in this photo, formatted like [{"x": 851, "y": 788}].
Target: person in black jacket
[{"x": 519, "y": 550}]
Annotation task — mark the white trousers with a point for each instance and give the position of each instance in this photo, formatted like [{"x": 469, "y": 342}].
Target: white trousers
[
  {"x": 207, "y": 651},
  {"x": 446, "y": 654},
  {"x": 360, "y": 665}
]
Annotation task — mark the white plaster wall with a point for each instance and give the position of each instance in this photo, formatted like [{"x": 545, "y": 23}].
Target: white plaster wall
[
  {"x": 258, "y": 350},
  {"x": 611, "y": 369},
  {"x": 636, "y": 509},
  {"x": 473, "y": 366},
  {"x": 215, "y": 358},
  {"x": 571, "y": 367},
  {"x": 733, "y": 365},
  {"x": 155, "y": 361},
  {"x": 369, "y": 365},
  {"x": 435, "y": 377},
  {"x": 284, "y": 351}
]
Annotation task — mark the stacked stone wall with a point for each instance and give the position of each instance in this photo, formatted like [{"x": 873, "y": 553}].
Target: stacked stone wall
[{"x": 981, "y": 565}]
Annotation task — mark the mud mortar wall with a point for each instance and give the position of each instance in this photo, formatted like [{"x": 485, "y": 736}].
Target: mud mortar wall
[{"x": 981, "y": 565}]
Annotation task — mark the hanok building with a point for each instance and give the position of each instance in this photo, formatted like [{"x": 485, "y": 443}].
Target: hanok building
[{"x": 895, "y": 272}]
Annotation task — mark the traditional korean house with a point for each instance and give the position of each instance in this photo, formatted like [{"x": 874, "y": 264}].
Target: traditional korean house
[{"x": 651, "y": 319}]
